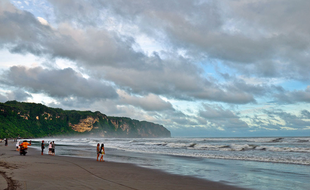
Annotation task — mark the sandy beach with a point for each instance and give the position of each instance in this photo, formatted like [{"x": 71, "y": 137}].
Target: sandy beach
[{"x": 36, "y": 171}]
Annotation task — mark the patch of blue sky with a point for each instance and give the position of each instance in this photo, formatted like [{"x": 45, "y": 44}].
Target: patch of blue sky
[
  {"x": 186, "y": 107},
  {"x": 39, "y": 8},
  {"x": 9, "y": 59},
  {"x": 292, "y": 85},
  {"x": 216, "y": 69}
]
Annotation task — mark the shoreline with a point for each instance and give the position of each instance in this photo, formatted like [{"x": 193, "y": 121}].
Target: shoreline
[{"x": 36, "y": 171}]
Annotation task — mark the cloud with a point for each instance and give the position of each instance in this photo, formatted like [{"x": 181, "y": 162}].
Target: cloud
[
  {"x": 78, "y": 11},
  {"x": 218, "y": 117},
  {"x": 106, "y": 51},
  {"x": 150, "y": 102},
  {"x": 42, "y": 21},
  {"x": 266, "y": 38},
  {"x": 18, "y": 95},
  {"x": 216, "y": 112},
  {"x": 280, "y": 120},
  {"x": 23, "y": 33},
  {"x": 291, "y": 120},
  {"x": 176, "y": 79},
  {"x": 294, "y": 96},
  {"x": 59, "y": 83},
  {"x": 3, "y": 98}
]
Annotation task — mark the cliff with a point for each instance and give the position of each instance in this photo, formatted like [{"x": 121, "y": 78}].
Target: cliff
[{"x": 37, "y": 120}]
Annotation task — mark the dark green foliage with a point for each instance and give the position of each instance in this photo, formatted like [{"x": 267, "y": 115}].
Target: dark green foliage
[{"x": 13, "y": 125}]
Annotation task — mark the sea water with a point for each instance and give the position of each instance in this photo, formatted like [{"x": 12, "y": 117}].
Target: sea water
[{"x": 255, "y": 163}]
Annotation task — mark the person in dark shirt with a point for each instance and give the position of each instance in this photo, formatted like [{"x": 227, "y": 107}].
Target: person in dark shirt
[{"x": 42, "y": 147}]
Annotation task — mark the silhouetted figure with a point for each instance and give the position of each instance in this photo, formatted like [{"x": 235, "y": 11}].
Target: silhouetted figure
[
  {"x": 42, "y": 147},
  {"x": 53, "y": 148},
  {"x": 102, "y": 152},
  {"x": 98, "y": 151},
  {"x": 6, "y": 141}
]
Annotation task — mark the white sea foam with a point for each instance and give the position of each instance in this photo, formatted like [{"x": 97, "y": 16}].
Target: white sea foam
[{"x": 282, "y": 150}]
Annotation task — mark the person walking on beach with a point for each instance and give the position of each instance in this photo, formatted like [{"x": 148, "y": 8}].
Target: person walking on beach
[
  {"x": 53, "y": 148},
  {"x": 42, "y": 147},
  {"x": 50, "y": 148},
  {"x": 98, "y": 151},
  {"x": 6, "y": 141},
  {"x": 102, "y": 152},
  {"x": 17, "y": 145}
]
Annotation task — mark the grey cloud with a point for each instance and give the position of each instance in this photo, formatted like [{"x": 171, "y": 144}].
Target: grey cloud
[
  {"x": 259, "y": 90},
  {"x": 291, "y": 120},
  {"x": 196, "y": 26},
  {"x": 175, "y": 118},
  {"x": 262, "y": 33},
  {"x": 57, "y": 83},
  {"x": 22, "y": 33},
  {"x": 18, "y": 95},
  {"x": 3, "y": 98},
  {"x": 182, "y": 80},
  {"x": 220, "y": 117},
  {"x": 269, "y": 123},
  {"x": 73, "y": 103},
  {"x": 177, "y": 79},
  {"x": 279, "y": 120},
  {"x": 287, "y": 16},
  {"x": 79, "y": 11},
  {"x": 305, "y": 114},
  {"x": 198, "y": 131},
  {"x": 150, "y": 102},
  {"x": 216, "y": 112},
  {"x": 294, "y": 96}
]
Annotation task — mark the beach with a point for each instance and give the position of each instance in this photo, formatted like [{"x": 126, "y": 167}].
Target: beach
[{"x": 36, "y": 171}]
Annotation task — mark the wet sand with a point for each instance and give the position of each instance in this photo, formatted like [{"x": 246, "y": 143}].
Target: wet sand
[{"x": 36, "y": 171}]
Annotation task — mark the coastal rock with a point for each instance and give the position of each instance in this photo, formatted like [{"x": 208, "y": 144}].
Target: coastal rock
[{"x": 84, "y": 124}]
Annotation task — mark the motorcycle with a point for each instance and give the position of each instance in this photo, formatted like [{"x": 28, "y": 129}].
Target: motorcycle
[{"x": 23, "y": 151}]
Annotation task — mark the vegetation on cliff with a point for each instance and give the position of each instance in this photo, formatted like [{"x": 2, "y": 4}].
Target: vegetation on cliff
[{"x": 36, "y": 120}]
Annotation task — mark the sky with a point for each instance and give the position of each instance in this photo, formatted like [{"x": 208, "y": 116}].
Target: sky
[{"x": 201, "y": 68}]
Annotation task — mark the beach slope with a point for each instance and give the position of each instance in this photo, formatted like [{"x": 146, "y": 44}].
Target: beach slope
[{"x": 35, "y": 171}]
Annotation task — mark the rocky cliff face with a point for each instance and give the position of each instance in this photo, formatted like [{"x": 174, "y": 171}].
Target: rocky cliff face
[
  {"x": 134, "y": 128},
  {"x": 104, "y": 126},
  {"x": 84, "y": 124}
]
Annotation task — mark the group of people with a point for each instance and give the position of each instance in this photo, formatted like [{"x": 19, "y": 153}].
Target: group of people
[
  {"x": 51, "y": 148},
  {"x": 100, "y": 150}
]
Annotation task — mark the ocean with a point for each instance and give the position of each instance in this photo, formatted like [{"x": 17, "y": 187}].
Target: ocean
[{"x": 255, "y": 163}]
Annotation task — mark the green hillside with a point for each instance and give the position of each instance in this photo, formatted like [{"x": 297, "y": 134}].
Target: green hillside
[{"x": 29, "y": 120}]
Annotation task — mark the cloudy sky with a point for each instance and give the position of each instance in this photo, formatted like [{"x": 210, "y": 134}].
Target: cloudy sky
[{"x": 199, "y": 67}]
